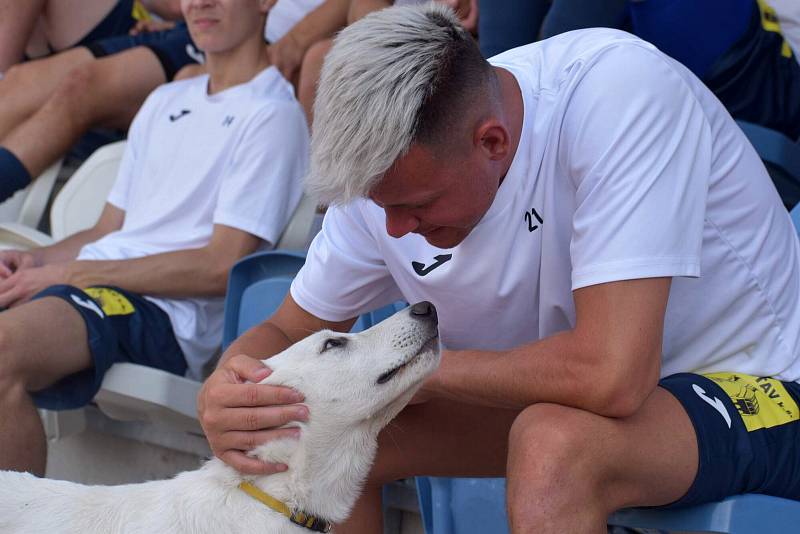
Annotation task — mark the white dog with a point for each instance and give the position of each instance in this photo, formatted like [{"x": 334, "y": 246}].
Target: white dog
[{"x": 354, "y": 384}]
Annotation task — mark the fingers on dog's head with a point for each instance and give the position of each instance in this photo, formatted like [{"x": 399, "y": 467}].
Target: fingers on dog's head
[{"x": 248, "y": 368}]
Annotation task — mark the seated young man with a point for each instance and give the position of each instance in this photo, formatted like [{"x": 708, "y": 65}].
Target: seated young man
[{"x": 211, "y": 172}]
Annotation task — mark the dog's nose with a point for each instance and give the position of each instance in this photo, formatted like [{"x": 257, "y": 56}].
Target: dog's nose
[{"x": 424, "y": 309}]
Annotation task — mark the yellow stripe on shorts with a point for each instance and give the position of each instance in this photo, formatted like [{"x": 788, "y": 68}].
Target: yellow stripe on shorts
[
  {"x": 112, "y": 302},
  {"x": 770, "y": 22},
  {"x": 762, "y": 402},
  {"x": 139, "y": 12}
]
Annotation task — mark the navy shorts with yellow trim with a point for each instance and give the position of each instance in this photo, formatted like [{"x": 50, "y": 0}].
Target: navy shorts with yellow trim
[
  {"x": 748, "y": 434},
  {"x": 122, "y": 327}
]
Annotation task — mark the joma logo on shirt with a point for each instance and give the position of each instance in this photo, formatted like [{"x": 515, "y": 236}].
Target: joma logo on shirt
[{"x": 420, "y": 268}]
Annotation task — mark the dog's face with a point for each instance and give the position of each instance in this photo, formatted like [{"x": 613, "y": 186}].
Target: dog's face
[{"x": 348, "y": 379}]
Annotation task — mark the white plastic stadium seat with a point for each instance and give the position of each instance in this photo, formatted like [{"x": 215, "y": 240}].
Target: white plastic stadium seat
[
  {"x": 27, "y": 206},
  {"x": 77, "y": 206}
]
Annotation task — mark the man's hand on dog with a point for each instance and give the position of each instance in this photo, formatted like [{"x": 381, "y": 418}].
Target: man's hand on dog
[{"x": 237, "y": 416}]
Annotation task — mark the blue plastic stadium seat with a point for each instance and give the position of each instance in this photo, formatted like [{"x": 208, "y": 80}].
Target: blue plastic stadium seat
[
  {"x": 781, "y": 156},
  {"x": 258, "y": 284},
  {"x": 462, "y": 505}
]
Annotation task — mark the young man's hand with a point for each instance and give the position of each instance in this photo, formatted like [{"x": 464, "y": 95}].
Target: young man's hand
[
  {"x": 237, "y": 416},
  {"x": 12, "y": 261},
  {"x": 25, "y": 283}
]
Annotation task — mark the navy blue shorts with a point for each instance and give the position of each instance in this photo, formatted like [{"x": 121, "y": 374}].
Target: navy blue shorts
[
  {"x": 122, "y": 327},
  {"x": 748, "y": 434},
  {"x": 119, "y": 21},
  {"x": 173, "y": 48}
]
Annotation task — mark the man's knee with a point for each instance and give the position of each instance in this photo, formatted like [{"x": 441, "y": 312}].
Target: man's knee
[
  {"x": 76, "y": 92},
  {"x": 547, "y": 442}
]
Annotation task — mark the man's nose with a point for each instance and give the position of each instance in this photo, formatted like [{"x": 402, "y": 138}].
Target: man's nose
[{"x": 399, "y": 222}]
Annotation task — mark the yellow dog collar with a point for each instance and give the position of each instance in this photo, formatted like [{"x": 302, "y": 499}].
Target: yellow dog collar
[{"x": 297, "y": 517}]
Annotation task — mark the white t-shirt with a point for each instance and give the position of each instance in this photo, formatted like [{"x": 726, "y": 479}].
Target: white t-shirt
[
  {"x": 235, "y": 158},
  {"x": 284, "y": 15},
  {"x": 628, "y": 167}
]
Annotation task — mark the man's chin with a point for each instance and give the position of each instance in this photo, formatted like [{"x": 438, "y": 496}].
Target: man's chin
[{"x": 444, "y": 238}]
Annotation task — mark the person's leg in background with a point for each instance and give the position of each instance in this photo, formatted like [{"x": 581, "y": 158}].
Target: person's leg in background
[
  {"x": 27, "y": 86},
  {"x": 17, "y": 23},
  {"x": 58, "y": 24},
  {"x": 568, "y": 15},
  {"x": 106, "y": 92}
]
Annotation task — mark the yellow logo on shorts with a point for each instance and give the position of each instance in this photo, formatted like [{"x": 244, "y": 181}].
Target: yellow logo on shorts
[
  {"x": 112, "y": 302},
  {"x": 762, "y": 402}
]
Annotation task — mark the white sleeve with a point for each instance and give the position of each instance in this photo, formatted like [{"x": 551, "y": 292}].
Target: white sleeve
[
  {"x": 637, "y": 146},
  {"x": 263, "y": 181},
  {"x": 137, "y": 136},
  {"x": 344, "y": 274}
]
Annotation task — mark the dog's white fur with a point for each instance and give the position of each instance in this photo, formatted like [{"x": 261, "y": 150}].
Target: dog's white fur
[{"x": 327, "y": 464}]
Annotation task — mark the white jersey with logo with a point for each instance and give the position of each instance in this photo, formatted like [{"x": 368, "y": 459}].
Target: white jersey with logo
[
  {"x": 627, "y": 168},
  {"x": 235, "y": 158}
]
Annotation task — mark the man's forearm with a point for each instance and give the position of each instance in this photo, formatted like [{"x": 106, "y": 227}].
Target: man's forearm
[
  {"x": 66, "y": 249},
  {"x": 558, "y": 369},
  {"x": 183, "y": 273},
  {"x": 321, "y": 23}
]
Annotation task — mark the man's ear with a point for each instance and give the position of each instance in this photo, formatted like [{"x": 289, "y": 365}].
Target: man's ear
[{"x": 492, "y": 137}]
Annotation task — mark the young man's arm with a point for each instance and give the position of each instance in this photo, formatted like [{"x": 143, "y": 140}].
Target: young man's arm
[
  {"x": 184, "y": 273},
  {"x": 321, "y": 23},
  {"x": 237, "y": 416},
  {"x": 67, "y": 249},
  {"x": 608, "y": 364}
]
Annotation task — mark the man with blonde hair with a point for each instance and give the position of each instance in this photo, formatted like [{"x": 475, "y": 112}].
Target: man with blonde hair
[{"x": 610, "y": 263}]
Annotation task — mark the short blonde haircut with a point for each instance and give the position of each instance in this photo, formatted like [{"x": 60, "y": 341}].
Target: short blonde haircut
[{"x": 378, "y": 92}]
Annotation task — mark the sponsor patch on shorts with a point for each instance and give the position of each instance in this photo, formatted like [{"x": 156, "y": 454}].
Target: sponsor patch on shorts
[
  {"x": 110, "y": 301},
  {"x": 762, "y": 402}
]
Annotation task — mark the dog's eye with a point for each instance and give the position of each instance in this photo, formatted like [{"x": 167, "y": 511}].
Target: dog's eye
[{"x": 334, "y": 342}]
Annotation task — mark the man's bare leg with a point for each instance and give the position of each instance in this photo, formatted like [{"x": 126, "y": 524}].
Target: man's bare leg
[
  {"x": 68, "y": 21},
  {"x": 437, "y": 438},
  {"x": 569, "y": 469},
  {"x": 105, "y": 92},
  {"x": 17, "y": 22},
  {"x": 40, "y": 343},
  {"x": 27, "y": 86}
]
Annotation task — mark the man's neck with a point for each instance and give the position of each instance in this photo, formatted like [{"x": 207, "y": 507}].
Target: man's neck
[{"x": 236, "y": 66}]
